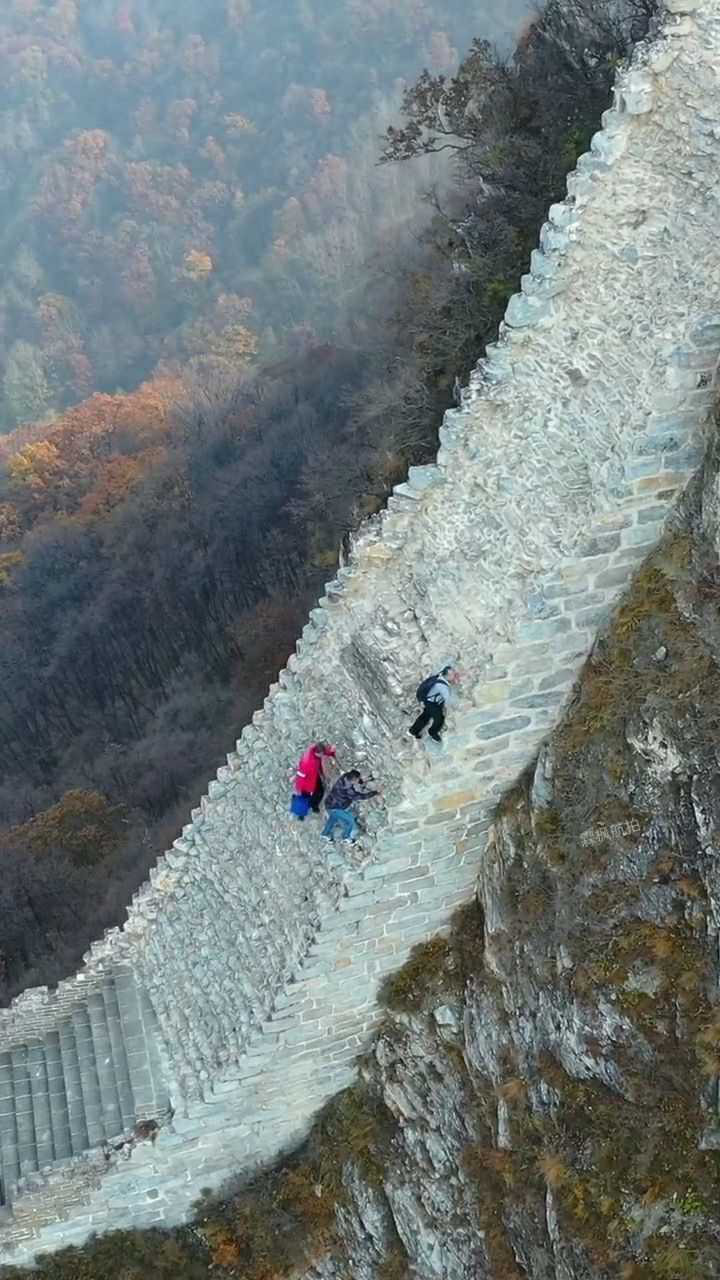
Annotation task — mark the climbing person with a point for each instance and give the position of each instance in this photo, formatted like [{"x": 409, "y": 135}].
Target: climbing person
[
  {"x": 309, "y": 777},
  {"x": 434, "y": 693},
  {"x": 339, "y": 802}
]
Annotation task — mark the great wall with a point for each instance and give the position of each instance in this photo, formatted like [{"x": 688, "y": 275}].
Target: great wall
[{"x": 203, "y": 1035}]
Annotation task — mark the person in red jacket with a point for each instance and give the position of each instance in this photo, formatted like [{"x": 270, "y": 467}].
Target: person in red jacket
[{"x": 309, "y": 778}]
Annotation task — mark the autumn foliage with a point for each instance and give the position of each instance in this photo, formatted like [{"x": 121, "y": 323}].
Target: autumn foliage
[
  {"x": 89, "y": 459},
  {"x": 155, "y": 564},
  {"x": 82, "y": 825},
  {"x": 145, "y": 150}
]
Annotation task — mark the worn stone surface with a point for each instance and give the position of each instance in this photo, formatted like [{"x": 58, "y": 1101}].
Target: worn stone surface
[{"x": 259, "y": 955}]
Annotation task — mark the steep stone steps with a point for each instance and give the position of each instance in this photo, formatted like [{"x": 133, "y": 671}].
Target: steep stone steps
[
  {"x": 89, "y": 1083},
  {"x": 26, "y": 1140},
  {"x": 138, "y": 1025},
  {"x": 73, "y": 1092},
  {"x": 250, "y": 910},
  {"x": 9, "y": 1157},
  {"x": 119, "y": 1056},
  {"x": 39, "y": 1096},
  {"x": 105, "y": 1066},
  {"x": 84, "y": 1083},
  {"x": 57, "y": 1097}
]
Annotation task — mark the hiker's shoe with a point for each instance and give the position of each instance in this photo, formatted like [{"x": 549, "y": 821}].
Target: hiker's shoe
[{"x": 415, "y": 736}]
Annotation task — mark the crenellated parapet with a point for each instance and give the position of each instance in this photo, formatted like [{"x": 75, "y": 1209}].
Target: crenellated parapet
[{"x": 250, "y": 961}]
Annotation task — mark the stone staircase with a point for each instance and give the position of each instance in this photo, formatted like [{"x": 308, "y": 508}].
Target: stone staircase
[
  {"x": 259, "y": 893},
  {"x": 86, "y": 1081}
]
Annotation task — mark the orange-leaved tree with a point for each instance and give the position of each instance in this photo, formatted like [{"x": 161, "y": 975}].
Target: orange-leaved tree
[
  {"x": 9, "y": 560},
  {"x": 91, "y": 456},
  {"x": 83, "y": 825}
]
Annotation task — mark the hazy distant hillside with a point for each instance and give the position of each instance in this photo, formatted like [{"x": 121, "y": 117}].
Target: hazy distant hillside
[
  {"x": 159, "y": 547},
  {"x": 183, "y": 179}
]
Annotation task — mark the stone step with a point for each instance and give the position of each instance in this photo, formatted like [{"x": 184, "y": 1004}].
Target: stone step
[
  {"x": 24, "y": 1119},
  {"x": 122, "y": 1075},
  {"x": 9, "y": 1157},
  {"x": 73, "y": 1089},
  {"x": 135, "y": 1042},
  {"x": 89, "y": 1083},
  {"x": 105, "y": 1066},
  {"x": 152, "y": 1038},
  {"x": 40, "y": 1104},
  {"x": 57, "y": 1097}
]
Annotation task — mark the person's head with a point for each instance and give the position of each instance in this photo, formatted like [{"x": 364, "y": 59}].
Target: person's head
[
  {"x": 450, "y": 673},
  {"x": 353, "y": 775},
  {"x": 322, "y": 749}
]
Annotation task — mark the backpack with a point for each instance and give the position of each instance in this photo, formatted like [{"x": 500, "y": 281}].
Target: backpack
[
  {"x": 299, "y": 806},
  {"x": 426, "y": 685}
]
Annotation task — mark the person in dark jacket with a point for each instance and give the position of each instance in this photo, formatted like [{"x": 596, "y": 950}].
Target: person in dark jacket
[
  {"x": 434, "y": 702},
  {"x": 340, "y": 798}
]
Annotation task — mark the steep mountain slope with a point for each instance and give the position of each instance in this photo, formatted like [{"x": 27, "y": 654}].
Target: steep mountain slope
[{"x": 187, "y": 182}]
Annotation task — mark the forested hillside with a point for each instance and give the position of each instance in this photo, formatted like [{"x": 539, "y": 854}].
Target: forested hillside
[
  {"x": 188, "y": 181},
  {"x": 159, "y": 549}
]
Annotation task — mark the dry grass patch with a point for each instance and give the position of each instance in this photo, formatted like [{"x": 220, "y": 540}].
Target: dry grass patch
[
  {"x": 395, "y": 1266},
  {"x": 439, "y": 968},
  {"x": 611, "y": 683}
]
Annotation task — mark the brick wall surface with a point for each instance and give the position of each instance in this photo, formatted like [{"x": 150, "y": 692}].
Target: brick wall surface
[{"x": 249, "y": 964}]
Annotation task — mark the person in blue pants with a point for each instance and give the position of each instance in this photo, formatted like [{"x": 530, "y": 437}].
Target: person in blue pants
[{"x": 338, "y": 803}]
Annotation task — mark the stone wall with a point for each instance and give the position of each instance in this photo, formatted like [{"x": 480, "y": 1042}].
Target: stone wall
[{"x": 255, "y": 954}]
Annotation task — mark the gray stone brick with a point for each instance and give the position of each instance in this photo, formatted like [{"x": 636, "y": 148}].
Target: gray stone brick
[
  {"x": 559, "y": 679},
  {"x": 563, "y": 590},
  {"x": 413, "y": 878},
  {"x": 654, "y": 514},
  {"x": 640, "y": 536},
  {"x": 502, "y": 727},
  {"x": 380, "y": 870},
  {"x": 688, "y": 458},
  {"x": 581, "y": 569},
  {"x": 480, "y": 750},
  {"x": 534, "y": 632},
  {"x": 617, "y": 577},
  {"x": 707, "y": 334},
  {"x": 592, "y": 617},
  {"x": 586, "y": 599},
  {"x": 551, "y": 698},
  {"x": 642, "y": 467},
  {"x": 656, "y": 443},
  {"x": 632, "y": 555},
  {"x": 694, "y": 360},
  {"x": 601, "y": 545}
]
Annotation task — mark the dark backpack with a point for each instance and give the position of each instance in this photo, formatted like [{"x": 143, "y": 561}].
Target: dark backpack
[{"x": 426, "y": 685}]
